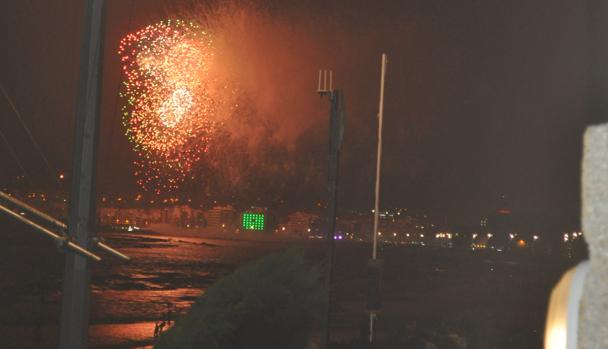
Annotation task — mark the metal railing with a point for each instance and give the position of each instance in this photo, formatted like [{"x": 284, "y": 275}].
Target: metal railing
[{"x": 61, "y": 238}]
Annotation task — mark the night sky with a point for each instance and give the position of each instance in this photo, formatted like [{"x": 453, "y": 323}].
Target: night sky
[{"x": 483, "y": 98}]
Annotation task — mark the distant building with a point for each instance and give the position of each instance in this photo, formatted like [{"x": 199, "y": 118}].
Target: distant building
[
  {"x": 299, "y": 223},
  {"x": 181, "y": 215},
  {"x": 128, "y": 216},
  {"x": 220, "y": 217}
]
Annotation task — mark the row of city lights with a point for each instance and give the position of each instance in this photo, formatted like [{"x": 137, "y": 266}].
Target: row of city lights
[
  {"x": 406, "y": 235},
  {"x": 42, "y": 196},
  {"x": 512, "y": 236},
  {"x": 573, "y": 236},
  {"x": 138, "y": 197}
]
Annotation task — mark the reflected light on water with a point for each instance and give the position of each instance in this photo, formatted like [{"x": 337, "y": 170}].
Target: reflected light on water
[{"x": 107, "y": 335}]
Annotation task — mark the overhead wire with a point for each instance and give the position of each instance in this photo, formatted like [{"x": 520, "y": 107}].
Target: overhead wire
[
  {"x": 45, "y": 160},
  {"x": 13, "y": 154}
]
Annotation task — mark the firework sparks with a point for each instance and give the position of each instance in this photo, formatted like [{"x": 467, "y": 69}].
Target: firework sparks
[{"x": 169, "y": 110}]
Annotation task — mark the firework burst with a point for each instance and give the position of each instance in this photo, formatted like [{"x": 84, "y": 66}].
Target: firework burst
[{"x": 169, "y": 108}]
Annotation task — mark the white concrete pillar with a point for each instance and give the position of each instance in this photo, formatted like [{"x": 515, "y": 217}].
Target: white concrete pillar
[{"x": 593, "y": 315}]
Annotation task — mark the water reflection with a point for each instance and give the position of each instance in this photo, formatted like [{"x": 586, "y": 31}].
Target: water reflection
[
  {"x": 166, "y": 275},
  {"x": 138, "y": 335}
]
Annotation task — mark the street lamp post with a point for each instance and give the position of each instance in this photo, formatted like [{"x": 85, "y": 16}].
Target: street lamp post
[{"x": 374, "y": 273}]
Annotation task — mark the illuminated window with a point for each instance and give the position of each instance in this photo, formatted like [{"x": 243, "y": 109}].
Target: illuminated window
[{"x": 253, "y": 221}]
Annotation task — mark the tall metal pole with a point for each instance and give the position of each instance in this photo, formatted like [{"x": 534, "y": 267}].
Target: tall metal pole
[
  {"x": 81, "y": 220},
  {"x": 336, "y": 130},
  {"x": 336, "y": 127},
  {"x": 372, "y": 314},
  {"x": 379, "y": 158}
]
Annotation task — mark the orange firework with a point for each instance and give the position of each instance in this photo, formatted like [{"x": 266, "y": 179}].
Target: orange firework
[{"x": 168, "y": 110}]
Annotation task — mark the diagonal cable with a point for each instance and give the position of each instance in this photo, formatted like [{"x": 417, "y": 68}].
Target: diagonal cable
[
  {"x": 31, "y": 136},
  {"x": 13, "y": 154}
]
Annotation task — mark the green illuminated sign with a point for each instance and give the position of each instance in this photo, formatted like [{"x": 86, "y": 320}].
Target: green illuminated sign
[{"x": 253, "y": 221}]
